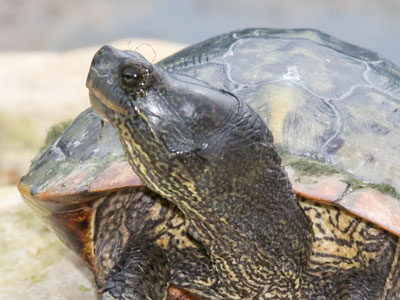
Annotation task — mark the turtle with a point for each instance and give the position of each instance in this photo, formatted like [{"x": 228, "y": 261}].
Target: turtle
[{"x": 258, "y": 164}]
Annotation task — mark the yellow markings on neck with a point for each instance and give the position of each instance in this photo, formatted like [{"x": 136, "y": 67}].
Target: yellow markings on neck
[
  {"x": 119, "y": 110},
  {"x": 138, "y": 148},
  {"x": 143, "y": 116},
  {"x": 191, "y": 187},
  {"x": 133, "y": 159}
]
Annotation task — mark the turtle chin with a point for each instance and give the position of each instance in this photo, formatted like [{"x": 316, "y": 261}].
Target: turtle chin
[{"x": 98, "y": 107}]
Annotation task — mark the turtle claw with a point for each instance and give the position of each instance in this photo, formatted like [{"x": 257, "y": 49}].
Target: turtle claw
[
  {"x": 141, "y": 273},
  {"x": 107, "y": 296},
  {"x": 101, "y": 129}
]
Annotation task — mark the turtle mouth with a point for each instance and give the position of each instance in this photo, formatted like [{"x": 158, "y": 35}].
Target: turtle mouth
[
  {"x": 98, "y": 85},
  {"x": 98, "y": 107}
]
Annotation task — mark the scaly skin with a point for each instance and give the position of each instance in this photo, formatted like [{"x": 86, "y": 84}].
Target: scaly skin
[
  {"x": 141, "y": 228},
  {"x": 351, "y": 258},
  {"x": 211, "y": 155}
]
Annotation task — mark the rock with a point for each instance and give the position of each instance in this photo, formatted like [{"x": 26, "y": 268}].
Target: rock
[{"x": 34, "y": 264}]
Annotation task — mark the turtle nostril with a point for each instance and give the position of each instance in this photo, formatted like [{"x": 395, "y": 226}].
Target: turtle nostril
[
  {"x": 106, "y": 49},
  {"x": 103, "y": 50}
]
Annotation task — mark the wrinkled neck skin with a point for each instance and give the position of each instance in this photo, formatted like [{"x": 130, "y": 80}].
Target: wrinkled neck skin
[{"x": 225, "y": 175}]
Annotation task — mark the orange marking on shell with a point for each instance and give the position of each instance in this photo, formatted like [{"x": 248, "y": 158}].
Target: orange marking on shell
[
  {"x": 374, "y": 206},
  {"x": 75, "y": 230},
  {"x": 321, "y": 189},
  {"x": 67, "y": 186},
  {"x": 31, "y": 200},
  {"x": 175, "y": 293},
  {"x": 117, "y": 175},
  {"x": 79, "y": 184},
  {"x": 24, "y": 189},
  {"x": 369, "y": 204}
]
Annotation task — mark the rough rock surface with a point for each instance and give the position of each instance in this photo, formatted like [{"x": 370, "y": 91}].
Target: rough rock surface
[{"x": 33, "y": 262}]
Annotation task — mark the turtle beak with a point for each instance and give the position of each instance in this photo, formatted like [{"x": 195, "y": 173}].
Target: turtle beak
[
  {"x": 101, "y": 75},
  {"x": 101, "y": 68},
  {"x": 98, "y": 70}
]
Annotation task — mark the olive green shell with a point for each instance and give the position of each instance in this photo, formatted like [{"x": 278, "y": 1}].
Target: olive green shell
[{"x": 333, "y": 108}]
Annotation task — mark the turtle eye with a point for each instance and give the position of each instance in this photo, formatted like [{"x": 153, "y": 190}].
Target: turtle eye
[{"x": 134, "y": 77}]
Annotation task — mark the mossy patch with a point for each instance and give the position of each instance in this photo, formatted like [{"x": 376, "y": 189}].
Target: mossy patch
[
  {"x": 308, "y": 167},
  {"x": 84, "y": 289},
  {"x": 282, "y": 152},
  {"x": 384, "y": 188},
  {"x": 305, "y": 166},
  {"x": 54, "y": 132}
]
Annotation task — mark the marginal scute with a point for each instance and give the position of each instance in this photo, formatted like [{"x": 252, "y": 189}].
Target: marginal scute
[
  {"x": 327, "y": 189},
  {"x": 371, "y": 204},
  {"x": 75, "y": 230},
  {"x": 374, "y": 206},
  {"x": 68, "y": 184},
  {"x": 116, "y": 176}
]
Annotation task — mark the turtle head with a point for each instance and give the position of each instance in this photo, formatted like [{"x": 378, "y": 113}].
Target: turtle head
[
  {"x": 115, "y": 77},
  {"x": 173, "y": 128},
  {"x": 205, "y": 150}
]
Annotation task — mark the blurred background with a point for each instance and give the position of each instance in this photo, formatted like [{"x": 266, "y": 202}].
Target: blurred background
[
  {"x": 45, "y": 50},
  {"x": 61, "y": 25},
  {"x": 34, "y": 32}
]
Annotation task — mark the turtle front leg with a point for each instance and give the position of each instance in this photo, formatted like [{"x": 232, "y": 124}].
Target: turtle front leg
[
  {"x": 141, "y": 273},
  {"x": 365, "y": 284}
]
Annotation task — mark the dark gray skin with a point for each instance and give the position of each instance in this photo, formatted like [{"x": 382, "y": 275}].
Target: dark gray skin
[
  {"x": 192, "y": 150},
  {"x": 211, "y": 155}
]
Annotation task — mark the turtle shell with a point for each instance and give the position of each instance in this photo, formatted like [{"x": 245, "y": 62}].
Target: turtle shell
[{"x": 333, "y": 108}]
